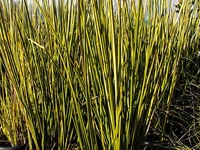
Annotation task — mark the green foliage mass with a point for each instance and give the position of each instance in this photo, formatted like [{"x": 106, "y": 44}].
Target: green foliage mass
[{"x": 86, "y": 77}]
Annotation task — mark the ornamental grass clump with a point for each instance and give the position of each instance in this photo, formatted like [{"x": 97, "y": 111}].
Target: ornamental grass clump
[
  {"x": 184, "y": 114},
  {"x": 85, "y": 76}
]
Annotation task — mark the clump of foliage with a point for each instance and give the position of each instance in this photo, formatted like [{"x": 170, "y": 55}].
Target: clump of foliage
[
  {"x": 182, "y": 127},
  {"x": 84, "y": 76}
]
